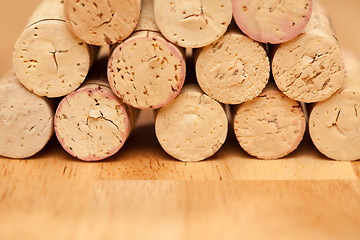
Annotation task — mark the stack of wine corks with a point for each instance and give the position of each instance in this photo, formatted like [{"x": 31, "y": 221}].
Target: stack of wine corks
[{"x": 263, "y": 58}]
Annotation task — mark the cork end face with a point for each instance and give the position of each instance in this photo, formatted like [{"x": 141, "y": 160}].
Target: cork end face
[
  {"x": 102, "y": 22},
  {"x": 49, "y": 60},
  {"x": 26, "y": 121},
  {"x": 192, "y": 24},
  {"x": 309, "y": 68},
  {"x": 269, "y": 127},
  {"x": 334, "y": 126},
  {"x": 153, "y": 83},
  {"x": 272, "y": 21},
  {"x": 191, "y": 128},
  {"x": 234, "y": 69},
  {"x": 92, "y": 124}
]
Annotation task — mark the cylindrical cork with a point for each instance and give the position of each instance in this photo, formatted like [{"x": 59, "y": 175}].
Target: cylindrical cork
[
  {"x": 92, "y": 123},
  {"x": 26, "y": 120},
  {"x": 270, "y": 126},
  {"x": 193, "y": 127},
  {"x": 310, "y": 68},
  {"x": 147, "y": 19},
  {"x": 102, "y": 22},
  {"x": 234, "y": 69},
  {"x": 48, "y": 59},
  {"x": 146, "y": 71},
  {"x": 334, "y": 124},
  {"x": 272, "y": 21},
  {"x": 193, "y": 23}
]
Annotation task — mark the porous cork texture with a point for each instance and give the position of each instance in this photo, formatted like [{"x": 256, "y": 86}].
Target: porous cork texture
[
  {"x": 310, "y": 68},
  {"x": 92, "y": 123},
  {"x": 193, "y": 23},
  {"x": 193, "y": 127},
  {"x": 234, "y": 69},
  {"x": 26, "y": 120},
  {"x": 334, "y": 126},
  {"x": 272, "y": 21},
  {"x": 102, "y": 22},
  {"x": 47, "y": 58},
  {"x": 146, "y": 71},
  {"x": 270, "y": 126}
]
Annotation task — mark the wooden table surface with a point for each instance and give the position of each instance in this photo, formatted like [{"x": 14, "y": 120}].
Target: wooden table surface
[{"x": 142, "y": 193}]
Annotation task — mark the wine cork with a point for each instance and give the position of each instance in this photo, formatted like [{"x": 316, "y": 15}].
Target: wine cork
[
  {"x": 310, "y": 68},
  {"x": 234, "y": 69},
  {"x": 334, "y": 124},
  {"x": 193, "y": 127},
  {"x": 193, "y": 23},
  {"x": 147, "y": 19},
  {"x": 48, "y": 59},
  {"x": 270, "y": 126},
  {"x": 102, "y": 22},
  {"x": 272, "y": 21},
  {"x": 146, "y": 70},
  {"x": 26, "y": 120}
]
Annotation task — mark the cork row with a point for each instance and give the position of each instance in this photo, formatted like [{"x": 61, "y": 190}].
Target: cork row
[{"x": 84, "y": 69}]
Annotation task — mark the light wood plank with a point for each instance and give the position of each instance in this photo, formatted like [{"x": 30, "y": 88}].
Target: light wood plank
[{"x": 63, "y": 208}]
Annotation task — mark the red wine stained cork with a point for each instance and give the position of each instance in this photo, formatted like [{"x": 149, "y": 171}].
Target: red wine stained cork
[
  {"x": 146, "y": 70},
  {"x": 193, "y": 127},
  {"x": 48, "y": 59},
  {"x": 272, "y": 21},
  {"x": 26, "y": 120},
  {"x": 334, "y": 124},
  {"x": 92, "y": 123},
  {"x": 310, "y": 68},
  {"x": 270, "y": 126},
  {"x": 234, "y": 69},
  {"x": 193, "y": 23},
  {"x": 102, "y": 22}
]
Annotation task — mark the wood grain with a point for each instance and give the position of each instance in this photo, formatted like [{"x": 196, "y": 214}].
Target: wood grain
[{"x": 143, "y": 193}]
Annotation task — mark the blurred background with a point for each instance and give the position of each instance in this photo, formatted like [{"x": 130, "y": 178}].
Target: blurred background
[{"x": 345, "y": 15}]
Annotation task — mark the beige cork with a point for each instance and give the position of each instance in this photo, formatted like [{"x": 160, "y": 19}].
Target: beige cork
[
  {"x": 193, "y": 23},
  {"x": 193, "y": 127},
  {"x": 102, "y": 22},
  {"x": 234, "y": 69},
  {"x": 310, "y": 68},
  {"x": 47, "y": 58},
  {"x": 270, "y": 126},
  {"x": 272, "y": 21},
  {"x": 26, "y": 120}
]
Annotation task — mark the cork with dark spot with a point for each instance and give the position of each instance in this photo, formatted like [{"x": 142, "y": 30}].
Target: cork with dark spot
[
  {"x": 102, "y": 22},
  {"x": 310, "y": 68},
  {"x": 193, "y": 127},
  {"x": 146, "y": 70},
  {"x": 47, "y": 58},
  {"x": 193, "y": 23},
  {"x": 234, "y": 69},
  {"x": 91, "y": 123},
  {"x": 26, "y": 120},
  {"x": 270, "y": 126},
  {"x": 272, "y": 21},
  {"x": 334, "y": 124}
]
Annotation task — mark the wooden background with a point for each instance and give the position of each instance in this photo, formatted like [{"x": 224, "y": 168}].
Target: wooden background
[{"x": 142, "y": 193}]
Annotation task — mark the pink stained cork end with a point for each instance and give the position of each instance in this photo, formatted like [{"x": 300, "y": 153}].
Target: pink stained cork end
[
  {"x": 124, "y": 135},
  {"x": 171, "y": 47},
  {"x": 285, "y": 24}
]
